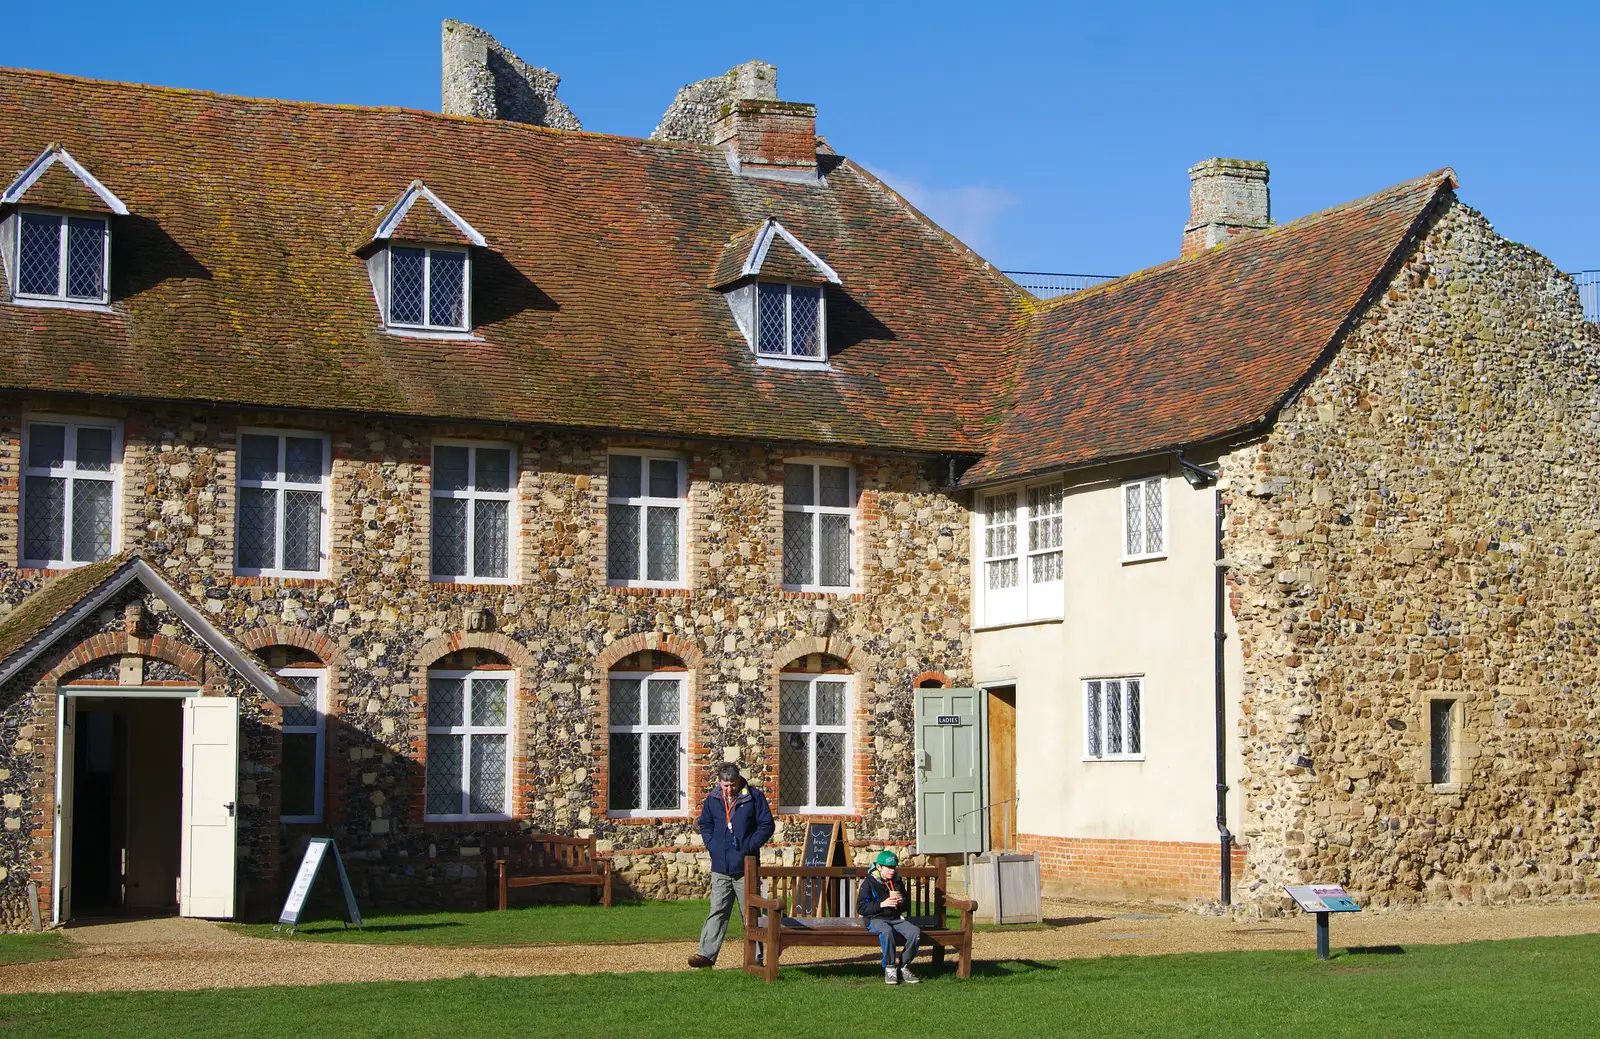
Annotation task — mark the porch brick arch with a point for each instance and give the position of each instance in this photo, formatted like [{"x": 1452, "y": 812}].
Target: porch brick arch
[
  {"x": 117, "y": 644},
  {"x": 324, "y": 648},
  {"x": 685, "y": 650}
]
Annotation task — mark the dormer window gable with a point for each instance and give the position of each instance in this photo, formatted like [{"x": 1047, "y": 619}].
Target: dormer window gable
[
  {"x": 55, "y": 233},
  {"x": 420, "y": 263},
  {"x": 774, "y": 286}
]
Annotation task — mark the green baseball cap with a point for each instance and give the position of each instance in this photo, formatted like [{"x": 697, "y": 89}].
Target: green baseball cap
[{"x": 889, "y": 858}]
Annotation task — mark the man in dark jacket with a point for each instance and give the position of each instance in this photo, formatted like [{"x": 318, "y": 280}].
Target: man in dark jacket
[
  {"x": 882, "y": 899},
  {"x": 734, "y": 822}
]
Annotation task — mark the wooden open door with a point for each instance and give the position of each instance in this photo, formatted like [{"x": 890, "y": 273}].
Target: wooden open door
[
  {"x": 210, "y": 806},
  {"x": 66, "y": 789},
  {"x": 1002, "y": 748}
]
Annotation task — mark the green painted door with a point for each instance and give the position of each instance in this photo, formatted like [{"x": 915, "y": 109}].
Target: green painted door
[{"x": 949, "y": 771}]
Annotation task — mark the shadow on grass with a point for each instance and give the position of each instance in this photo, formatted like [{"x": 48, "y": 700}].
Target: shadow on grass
[
  {"x": 399, "y": 928},
  {"x": 864, "y": 973},
  {"x": 1375, "y": 950}
]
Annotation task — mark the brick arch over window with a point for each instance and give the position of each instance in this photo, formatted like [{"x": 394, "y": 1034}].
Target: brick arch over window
[
  {"x": 315, "y": 643},
  {"x": 684, "y": 649},
  {"x": 863, "y": 761},
  {"x": 932, "y": 680},
  {"x": 514, "y": 652}
]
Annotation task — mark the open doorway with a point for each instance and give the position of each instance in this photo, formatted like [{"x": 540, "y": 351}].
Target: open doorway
[
  {"x": 127, "y": 806},
  {"x": 1002, "y": 754}
]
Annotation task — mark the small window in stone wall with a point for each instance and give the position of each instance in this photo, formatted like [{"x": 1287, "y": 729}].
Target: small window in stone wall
[
  {"x": 647, "y": 725},
  {"x": 469, "y": 744},
  {"x": 304, "y": 731},
  {"x": 814, "y": 716},
  {"x": 1441, "y": 741},
  {"x": 646, "y": 495}
]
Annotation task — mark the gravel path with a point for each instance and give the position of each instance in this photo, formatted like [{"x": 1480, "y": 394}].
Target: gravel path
[{"x": 193, "y": 954}]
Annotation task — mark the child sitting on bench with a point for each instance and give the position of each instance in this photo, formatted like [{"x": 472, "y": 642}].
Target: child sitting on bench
[{"x": 882, "y": 900}]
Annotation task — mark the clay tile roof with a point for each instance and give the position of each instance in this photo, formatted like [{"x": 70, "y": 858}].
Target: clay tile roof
[
  {"x": 54, "y": 178},
  {"x": 51, "y": 602},
  {"x": 770, "y": 250},
  {"x": 419, "y": 215},
  {"x": 1200, "y": 348},
  {"x": 235, "y": 281}
]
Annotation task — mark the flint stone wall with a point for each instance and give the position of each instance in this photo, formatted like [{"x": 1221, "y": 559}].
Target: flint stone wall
[
  {"x": 484, "y": 79},
  {"x": 1422, "y": 523},
  {"x": 385, "y": 621},
  {"x": 694, "y": 112}
]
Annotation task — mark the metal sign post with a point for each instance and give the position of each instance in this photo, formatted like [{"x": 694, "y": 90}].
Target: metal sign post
[{"x": 1322, "y": 899}]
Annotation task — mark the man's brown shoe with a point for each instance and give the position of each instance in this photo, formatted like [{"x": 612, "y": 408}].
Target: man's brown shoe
[{"x": 698, "y": 960}]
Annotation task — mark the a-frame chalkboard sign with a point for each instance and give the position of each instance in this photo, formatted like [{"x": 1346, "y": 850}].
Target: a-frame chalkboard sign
[
  {"x": 295, "y": 904},
  {"x": 826, "y": 844}
]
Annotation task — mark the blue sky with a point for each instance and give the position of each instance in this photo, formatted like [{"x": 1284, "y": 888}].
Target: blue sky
[{"x": 1050, "y": 136}]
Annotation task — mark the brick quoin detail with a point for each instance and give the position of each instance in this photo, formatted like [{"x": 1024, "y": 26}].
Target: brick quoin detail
[{"x": 1170, "y": 869}]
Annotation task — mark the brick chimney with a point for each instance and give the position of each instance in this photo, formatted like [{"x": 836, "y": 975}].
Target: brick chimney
[
  {"x": 768, "y": 138},
  {"x": 1227, "y": 198}
]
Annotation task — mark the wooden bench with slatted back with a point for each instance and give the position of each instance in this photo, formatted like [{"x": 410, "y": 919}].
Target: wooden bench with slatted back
[
  {"x": 535, "y": 859},
  {"x": 791, "y": 912}
]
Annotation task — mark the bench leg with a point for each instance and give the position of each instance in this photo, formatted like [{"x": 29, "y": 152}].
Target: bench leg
[
  {"x": 605, "y": 890},
  {"x": 964, "y": 965},
  {"x": 504, "y": 887},
  {"x": 774, "y": 948},
  {"x": 938, "y": 954}
]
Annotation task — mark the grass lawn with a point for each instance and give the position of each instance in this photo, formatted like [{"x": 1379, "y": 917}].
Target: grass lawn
[
  {"x": 25, "y": 948},
  {"x": 1534, "y": 987},
  {"x": 532, "y": 925}
]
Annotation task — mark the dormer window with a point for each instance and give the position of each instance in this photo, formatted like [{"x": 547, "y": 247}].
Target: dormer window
[
  {"x": 428, "y": 287},
  {"x": 419, "y": 257},
  {"x": 55, "y": 232},
  {"x": 62, "y": 257},
  {"x": 774, "y": 286},
  {"x": 790, "y": 321}
]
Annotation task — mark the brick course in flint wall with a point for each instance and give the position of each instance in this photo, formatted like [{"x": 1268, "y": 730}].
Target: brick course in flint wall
[
  {"x": 1421, "y": 524},
  {"x": 378, "y": 615},
  {"x": 1129, "y": 868}
]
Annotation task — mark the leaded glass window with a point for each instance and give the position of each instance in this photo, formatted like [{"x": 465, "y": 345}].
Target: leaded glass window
[
  {"x": 62, "y": 257},
  {"x": 1144, "y": 518},
  {"x": 300, "y": 774},
  {"x": 474, "y": 494},
  {"x": 814, "y": 743},
  {"x": 428, "y": 288},
  {"x": 70, "y": 473},
  {"x": 282, "y": 505},
  {"x": 1440, "y": 722},
  {"x": 649, "y": 746},
  {"x": 469, "y": 740},
  {"x": 1113, "y": 710},
  {"x": 646, "y": 497},
  {"x": 1023, "y": 555},
  {"x": 790, "y": 322},
  {"x": 818, "y": 526}
]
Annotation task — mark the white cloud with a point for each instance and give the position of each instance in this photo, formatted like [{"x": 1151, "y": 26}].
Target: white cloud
[{"x": 971, "y": 212}]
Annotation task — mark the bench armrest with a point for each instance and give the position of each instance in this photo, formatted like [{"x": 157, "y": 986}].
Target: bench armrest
[
  {"x": 769, "y": 904},
  {"x": 966, "y": 905}
]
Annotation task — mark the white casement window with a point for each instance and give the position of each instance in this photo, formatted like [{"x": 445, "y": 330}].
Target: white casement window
[
  {"x": 646, "y": 498},
  {"x": 71, "y": 477},
  {"x": 649, "y": 750},
  {"x": 1023, "y": 557},
  {"x": 62, "y": 257},
  {"x": 814, "y": 743},
  {"x": 790, "y": 322},
  {"x": 1144, "y": 518},
  {"x": 304, "y": 730},
  {"x": 818, "y": 526},
  {"x": 474, "y": 500},
  {"x": 1112, "y": 719},
  {"x": 469, "y": 744},
  {"x": 428, "y": 288},
  {"x": 282, "y": 530}
]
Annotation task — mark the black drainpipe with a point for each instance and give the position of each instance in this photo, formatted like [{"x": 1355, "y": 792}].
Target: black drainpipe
[{"x": 1200, "y": 477}]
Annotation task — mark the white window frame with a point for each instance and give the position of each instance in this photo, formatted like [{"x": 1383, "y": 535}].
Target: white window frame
[
  {"x": 816, "y": 510},
  {"x": 1122, "y": 694},
  {"x": 1143, "y": 484},
  {"x": 69, "y": 472},
  {"x": 645, "y": 730},
  {"x": 1029, "y": 599},
  {"x": 466, "y": 730},
  {"x": 645, "y": 503},
  {"x": 280, "y": 486},
  {"x": 319, "y": 729},
  {"x": 813, "y": 728},
  {"x": 425, "y": 325},
  {"x": 60, "y": 295},
  {"x": 788, "y": 354},
  {"x": 472, "y": 496}
]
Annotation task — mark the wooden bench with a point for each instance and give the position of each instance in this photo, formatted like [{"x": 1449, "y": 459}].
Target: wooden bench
[
  {"x": 815, "y": 905},
  {"x": 545, "y": 858}
]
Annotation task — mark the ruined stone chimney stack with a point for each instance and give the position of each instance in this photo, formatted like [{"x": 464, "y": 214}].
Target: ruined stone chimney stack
[
  {"x": 769, "y": 138},
  {"x": 1227, "y": 198},
  {"x": 693, "y": 114},
  {"x": 485, "y": 80}
]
